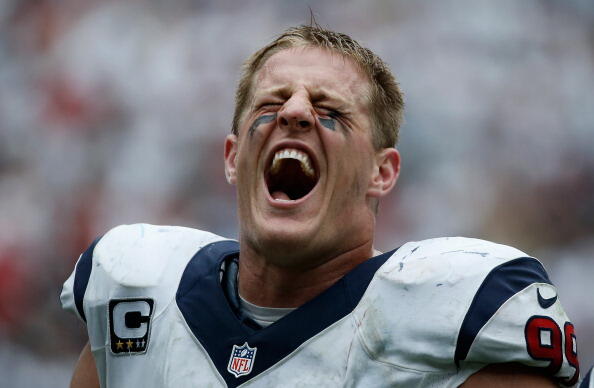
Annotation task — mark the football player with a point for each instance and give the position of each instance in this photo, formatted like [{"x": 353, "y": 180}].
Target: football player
[{"x": 303, "y": 299}]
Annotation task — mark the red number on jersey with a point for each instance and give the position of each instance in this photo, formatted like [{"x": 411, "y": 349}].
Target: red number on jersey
[
  {"x": 544, "y": 341},
  {"x": 571, "y": 351}
]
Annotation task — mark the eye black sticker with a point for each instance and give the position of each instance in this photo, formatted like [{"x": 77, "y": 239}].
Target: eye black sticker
[
  {"x": 328, "y": 123},
  {"x": 261, "y": 120}
]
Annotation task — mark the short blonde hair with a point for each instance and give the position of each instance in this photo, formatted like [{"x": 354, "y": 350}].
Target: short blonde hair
[{"x": 385, "y": 97}]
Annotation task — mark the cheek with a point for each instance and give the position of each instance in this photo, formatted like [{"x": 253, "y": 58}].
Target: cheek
[
  {"x": 352, "y": 179},
  {"x": 360, "y": 165},
  {"x": 245, "y": 172},
  {"x": 353, "y": 159}
]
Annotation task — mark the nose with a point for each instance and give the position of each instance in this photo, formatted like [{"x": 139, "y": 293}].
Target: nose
[{"x": 296, "y": 113}]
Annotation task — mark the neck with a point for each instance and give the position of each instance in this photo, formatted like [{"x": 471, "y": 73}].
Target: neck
[{"x": 264, "y": 283}]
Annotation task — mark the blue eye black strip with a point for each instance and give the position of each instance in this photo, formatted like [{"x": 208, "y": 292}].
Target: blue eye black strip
[
  {"x": 261, "y": 120},
  {"x": 328, "y": 123}
]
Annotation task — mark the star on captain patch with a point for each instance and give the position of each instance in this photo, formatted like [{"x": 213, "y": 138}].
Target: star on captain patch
[
  {"x": 129, "y": 325},
  {"x": 242, "y": 359}
]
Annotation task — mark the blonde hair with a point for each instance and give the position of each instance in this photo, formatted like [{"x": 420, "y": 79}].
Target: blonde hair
[{"x": 385, "y": 97}]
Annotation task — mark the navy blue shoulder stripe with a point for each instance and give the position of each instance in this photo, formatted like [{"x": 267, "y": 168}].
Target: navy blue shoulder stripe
[
  {"x": 503, "y": 282},
  {"x": 81, "y": 277},
  {"x": 586, "y": 381}
]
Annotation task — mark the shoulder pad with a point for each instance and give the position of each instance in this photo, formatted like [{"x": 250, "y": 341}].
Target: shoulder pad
[
  {"x": 138, "y": 255},
  {"x": 421, "y": 296},
  {"x": 446, "y": 261},
  {"x": 132, "y": 261}
]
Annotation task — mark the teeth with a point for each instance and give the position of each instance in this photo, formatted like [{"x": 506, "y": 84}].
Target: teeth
[{"x": 290, "y": 153}]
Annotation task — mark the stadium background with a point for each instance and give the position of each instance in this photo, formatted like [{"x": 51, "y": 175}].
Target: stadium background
[{"x": 114, "y": 112}]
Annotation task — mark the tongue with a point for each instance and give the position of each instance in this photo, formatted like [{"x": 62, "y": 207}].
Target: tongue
[{"x": 280, "y": 195}]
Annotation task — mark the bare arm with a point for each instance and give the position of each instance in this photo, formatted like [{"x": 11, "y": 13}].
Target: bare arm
[
  {"x": 85, "y": 372},
  {"x": 508, "y": 376}
]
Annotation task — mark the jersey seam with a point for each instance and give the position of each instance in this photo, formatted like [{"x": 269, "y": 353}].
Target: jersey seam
[
  {"x": 361, "y": 337},
  {"x": 158, "y": 315},
  {"x": 390, "y": 364}
]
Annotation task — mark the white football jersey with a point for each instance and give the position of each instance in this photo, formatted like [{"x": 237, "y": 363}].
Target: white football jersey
[{"x": 428, "y": 314}]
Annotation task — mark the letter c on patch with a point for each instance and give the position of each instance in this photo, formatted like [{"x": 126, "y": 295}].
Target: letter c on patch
[{"x": 121, "y": 325}]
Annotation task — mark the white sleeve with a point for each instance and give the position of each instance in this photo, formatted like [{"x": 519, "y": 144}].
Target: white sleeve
[
  {"x": 461, "y": 304},
  {"x": 131, "y": 265},
  {"x": 129, "y": 261},
  {"x": 516, "y": 316},
  {"x": 73, "y": 290}
]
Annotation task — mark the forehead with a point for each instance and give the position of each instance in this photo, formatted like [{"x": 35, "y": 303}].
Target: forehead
[{"x": 320, "y": 71}]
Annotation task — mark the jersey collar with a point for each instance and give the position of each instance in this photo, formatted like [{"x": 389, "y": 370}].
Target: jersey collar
[{"x": 209, "y": 315}]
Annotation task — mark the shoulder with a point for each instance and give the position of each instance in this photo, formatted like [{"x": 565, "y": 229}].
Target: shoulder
[
  {"x": 132, "y": 261},
  {"x": 456, "y": 268},
  {"x": 449, "y": 256},
  {"x": 440, "y": 277},
  {"x": 137, "y": 255},
  {"x": 446, "y": 303},
  {"x": 459, "y": 265}
]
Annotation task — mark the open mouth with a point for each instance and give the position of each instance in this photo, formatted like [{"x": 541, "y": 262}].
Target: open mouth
[{"x": 291, "y": 175}]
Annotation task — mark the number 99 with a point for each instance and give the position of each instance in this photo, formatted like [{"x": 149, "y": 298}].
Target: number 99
[{"x": 544, "y": 341}]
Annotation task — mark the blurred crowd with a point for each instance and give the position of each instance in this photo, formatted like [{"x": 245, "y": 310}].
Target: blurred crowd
[{"x": 115, "y": 111}]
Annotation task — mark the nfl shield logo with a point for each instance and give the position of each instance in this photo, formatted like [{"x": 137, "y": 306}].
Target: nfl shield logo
[{"x": 242, "y": 360}]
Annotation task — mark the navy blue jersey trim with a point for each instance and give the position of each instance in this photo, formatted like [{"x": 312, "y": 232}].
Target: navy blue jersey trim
[
  {"x": 503, "y": 282},
  {"x": 81, "y": 277},
  {"x": 203, "y": 304},
  {"x": 586, "y": 381}
]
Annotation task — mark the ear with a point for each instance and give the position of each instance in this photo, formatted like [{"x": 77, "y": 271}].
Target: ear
[
  {"x": 231, "y": 158},
  {"x": 385, "y": 172}
]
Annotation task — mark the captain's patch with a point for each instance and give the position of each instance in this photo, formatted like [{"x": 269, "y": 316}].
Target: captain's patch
[{"x": 130, "y": 325}]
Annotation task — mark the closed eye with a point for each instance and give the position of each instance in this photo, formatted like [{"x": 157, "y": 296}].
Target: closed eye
[
  {"x": 328, "y": 117},
  {"x": 332, "y": 113},
  {"x": 269, "y": 104}
]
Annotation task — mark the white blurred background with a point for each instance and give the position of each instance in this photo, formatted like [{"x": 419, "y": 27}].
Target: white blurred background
[{"x": 115, "y": 111}]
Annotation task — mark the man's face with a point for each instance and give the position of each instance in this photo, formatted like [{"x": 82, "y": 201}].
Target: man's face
[{"x": 303, "y": 162}]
